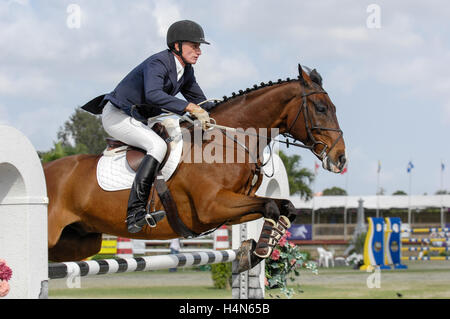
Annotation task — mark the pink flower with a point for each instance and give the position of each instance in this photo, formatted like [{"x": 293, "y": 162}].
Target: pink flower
[
  {"x": 292, "y": 244},
  {"x": 275, "y": 254},
  {"x": 282, "y": 241},
  {"x": 293, "y": 261},
  {"x": 266, "y": 282},
  {"x": 5, "y": 271},
  {"x": 288, "y": 234},
  {"x": 4, "y": 288}
]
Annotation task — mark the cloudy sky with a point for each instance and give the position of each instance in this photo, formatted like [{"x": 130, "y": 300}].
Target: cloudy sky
[{"x": 389, "y": 77}]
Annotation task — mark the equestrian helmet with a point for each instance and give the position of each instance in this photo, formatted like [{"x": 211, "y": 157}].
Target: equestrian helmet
[{"x": 185, "y": 30}]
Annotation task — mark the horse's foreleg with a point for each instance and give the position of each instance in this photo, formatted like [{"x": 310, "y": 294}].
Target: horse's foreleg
[
  {"x": 233, "y": 206},
  {"x": 251, "y": 252},
  {"x": 229, "y": 206},
  {"x": 286, "y": 208}
]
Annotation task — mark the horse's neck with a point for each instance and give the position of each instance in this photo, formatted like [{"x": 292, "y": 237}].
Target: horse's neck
[{"x": 259, "y": 109}]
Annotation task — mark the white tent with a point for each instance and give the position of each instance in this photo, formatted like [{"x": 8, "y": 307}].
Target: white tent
[{"x": 374, "y": 202}]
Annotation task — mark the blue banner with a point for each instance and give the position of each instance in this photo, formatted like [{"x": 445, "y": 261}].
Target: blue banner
[{"x": 300, "y": 232}]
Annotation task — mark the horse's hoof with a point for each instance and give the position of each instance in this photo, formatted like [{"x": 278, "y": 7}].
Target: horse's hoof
[{"x": 245, "y": 257}]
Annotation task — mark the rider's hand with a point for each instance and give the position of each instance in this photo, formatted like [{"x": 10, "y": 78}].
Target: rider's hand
[{"x": 199, "y": 113}]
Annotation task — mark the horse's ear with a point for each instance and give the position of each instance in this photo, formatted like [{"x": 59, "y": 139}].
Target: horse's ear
[
  {"x": 300, "y": 75},
  {"x": 315, "y": 77}
]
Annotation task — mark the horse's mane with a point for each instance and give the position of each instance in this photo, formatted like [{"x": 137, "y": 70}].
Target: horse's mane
[{"x": 313, "y": 74}]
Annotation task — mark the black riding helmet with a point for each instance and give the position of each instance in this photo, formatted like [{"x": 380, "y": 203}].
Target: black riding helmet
[{"x": 184, "y": 30}]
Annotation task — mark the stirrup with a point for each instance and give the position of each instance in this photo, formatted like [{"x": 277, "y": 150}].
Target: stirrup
[{"x": 154, "y": 217}]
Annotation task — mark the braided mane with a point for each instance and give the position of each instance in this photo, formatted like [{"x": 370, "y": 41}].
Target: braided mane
[
  {"x": 314, "y": 76},
  {"x": 255, "y": 87}
]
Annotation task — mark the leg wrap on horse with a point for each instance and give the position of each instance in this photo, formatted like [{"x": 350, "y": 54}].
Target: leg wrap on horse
[
  {"x": 137, "y": 215},
  {"x": 271, "y": 234}
]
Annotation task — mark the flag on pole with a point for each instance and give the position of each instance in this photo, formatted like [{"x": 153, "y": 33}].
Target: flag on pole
[
  {"x": 410, "y": 167},
  {"x": 316, "y": 168},
  {"x": 379, "y": 167},
  {"x": 442, "y": 166}
]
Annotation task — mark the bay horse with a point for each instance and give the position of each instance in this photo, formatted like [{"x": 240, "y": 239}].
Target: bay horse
[{"x": 207, "y": 194}]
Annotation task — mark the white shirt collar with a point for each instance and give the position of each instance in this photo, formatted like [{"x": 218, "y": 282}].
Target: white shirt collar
[{"x": 180, "y": 68}]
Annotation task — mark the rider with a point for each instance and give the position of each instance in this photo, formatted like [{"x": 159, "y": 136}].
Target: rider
[{"x": 152, "y": 86}]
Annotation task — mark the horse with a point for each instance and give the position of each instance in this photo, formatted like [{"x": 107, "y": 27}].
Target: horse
[{"x": 207, "y": 195}]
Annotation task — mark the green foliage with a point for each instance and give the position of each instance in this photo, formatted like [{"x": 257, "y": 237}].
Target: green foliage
[
  {"x": 306, "y": 254},
  {"x": 221, "y": 275},
  {"x": 85, "y": 130},
  {"x": 59, "y": 151},
  {"x": 334, "y": 191},
  {"x": 299, "y": 178},
  {"x": 285, "y": 263},
  {"x": 399, "y": 192}
]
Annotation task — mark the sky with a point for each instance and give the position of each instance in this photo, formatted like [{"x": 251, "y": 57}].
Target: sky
[{"x": 384, "y": 64}]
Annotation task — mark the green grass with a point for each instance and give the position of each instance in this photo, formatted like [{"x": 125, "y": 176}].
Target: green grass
[
  {"x": 421, "y": 280},
  {"x": 172, "y": 292},
  {"x": 348, "y": 291}
]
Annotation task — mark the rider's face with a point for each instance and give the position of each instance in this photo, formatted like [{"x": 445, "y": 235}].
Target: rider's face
[{"x": 191, "y": 52}]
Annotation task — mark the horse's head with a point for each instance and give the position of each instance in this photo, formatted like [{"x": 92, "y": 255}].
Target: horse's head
[{"x": 311, "y": 119}]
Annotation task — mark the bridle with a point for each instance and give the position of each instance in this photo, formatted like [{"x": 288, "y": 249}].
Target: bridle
[{"x": 310, "y": 128}]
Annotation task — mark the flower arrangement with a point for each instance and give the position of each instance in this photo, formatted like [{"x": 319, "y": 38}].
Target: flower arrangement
[
  {"x": 5, "y": 276},
  {"x": 286, "y": 260}
]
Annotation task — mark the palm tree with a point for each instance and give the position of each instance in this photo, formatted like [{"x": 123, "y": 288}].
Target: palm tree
[
  {"x": 299, "y": 177},
  {"x": 334, "y": 191}
]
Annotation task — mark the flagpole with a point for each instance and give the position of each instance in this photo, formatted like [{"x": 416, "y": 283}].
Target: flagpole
[
  {"x": 345, "y": 207},
  {"x": 378, "y": 191},
  {"x": 442, "y": 194},
  {"x": 409, "y": 200},
  {"x": 316, "y": 169},
  {"x": 312, "y": 211}
]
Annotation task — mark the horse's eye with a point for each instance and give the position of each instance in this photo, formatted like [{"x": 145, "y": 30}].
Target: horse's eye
[{"x": 321, "y": 108}]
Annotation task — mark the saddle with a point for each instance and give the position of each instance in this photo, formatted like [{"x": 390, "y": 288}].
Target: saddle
[{"x": 134, "y": 156}]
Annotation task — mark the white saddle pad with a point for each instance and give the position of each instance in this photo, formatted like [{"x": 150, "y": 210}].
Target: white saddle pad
[{"x": 114, "y": 173}]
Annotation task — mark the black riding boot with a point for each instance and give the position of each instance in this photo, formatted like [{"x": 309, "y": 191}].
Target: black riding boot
[{"x": 137, "y": 215}]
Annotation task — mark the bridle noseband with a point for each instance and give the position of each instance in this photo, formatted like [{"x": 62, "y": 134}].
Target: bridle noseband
[{"x": 310, "y": 128}]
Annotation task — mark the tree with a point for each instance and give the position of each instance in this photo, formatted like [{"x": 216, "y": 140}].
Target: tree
[
  {"x": 399, "y": 192},
  {"x": 59, "y": 151},
  {"x": 86, "y": 129},
  {"x": 299, "y": 177},
  {"x": 334, "y": 191},
  {"x": 441, "y": 192}
]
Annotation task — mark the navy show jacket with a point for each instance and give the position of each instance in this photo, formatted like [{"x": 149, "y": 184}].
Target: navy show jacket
[{"x": 154, "y": 82}]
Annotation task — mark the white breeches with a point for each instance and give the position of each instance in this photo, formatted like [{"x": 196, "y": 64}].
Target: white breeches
[{"x": 132, "y": 132}]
